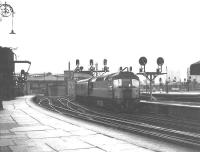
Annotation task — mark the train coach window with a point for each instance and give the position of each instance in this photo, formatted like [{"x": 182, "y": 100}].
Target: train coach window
[{"x": 115, "y": 83}]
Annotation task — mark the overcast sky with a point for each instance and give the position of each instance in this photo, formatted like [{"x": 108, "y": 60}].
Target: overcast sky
[{"x": 52, "y": 33}]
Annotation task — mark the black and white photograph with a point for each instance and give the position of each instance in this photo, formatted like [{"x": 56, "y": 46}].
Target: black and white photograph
[{"x": 99, "y": 76}]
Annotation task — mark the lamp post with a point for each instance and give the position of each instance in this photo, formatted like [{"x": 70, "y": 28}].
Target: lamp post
[
  {"x": 150, "y": 75},
  {"x": 6, "y": 10}
]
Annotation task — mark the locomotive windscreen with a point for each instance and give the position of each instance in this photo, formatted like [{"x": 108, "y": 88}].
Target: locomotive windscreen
[{"x": 126, "y": 83}]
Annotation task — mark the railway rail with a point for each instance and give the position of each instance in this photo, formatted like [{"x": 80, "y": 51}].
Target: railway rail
[{"x": 169, "y": 129}]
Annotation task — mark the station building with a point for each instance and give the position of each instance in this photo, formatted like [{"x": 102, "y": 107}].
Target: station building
[
  {"x": 194, "y": 72},
  {"x": 54, "y": 85},
  {"x": 193, "y": 76},
  {"x": 46, "y": 84}
]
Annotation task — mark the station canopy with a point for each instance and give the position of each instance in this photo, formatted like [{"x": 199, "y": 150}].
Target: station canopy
[{"x": 195, "y": 68}]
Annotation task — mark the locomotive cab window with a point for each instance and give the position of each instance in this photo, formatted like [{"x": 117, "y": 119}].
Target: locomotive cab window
[
  {"x": 117, "y": 83},
  {"x": 135, "y": 83},
  {"x": 122, "y": 83},
  {"x": 126, "y": 83}
]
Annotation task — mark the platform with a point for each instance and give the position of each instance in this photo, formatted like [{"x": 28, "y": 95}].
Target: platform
[
  {"x": 25, "y": 127},
  {"x": 183, "y": 105},
  {"x": 181, "y": 99}
]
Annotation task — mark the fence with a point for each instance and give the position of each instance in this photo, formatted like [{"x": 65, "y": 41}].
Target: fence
[{"x": 172, "y": 87}]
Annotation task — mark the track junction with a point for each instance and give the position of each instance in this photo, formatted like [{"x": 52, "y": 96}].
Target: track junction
[{"x": 157, "y": 126}]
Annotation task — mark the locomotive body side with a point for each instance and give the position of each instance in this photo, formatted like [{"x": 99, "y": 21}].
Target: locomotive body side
[
  {"x": 118, "y": 89},
  {"x": 101, "y": 89},
  {"x": 126, "y": 89},
  {"x": 82, "y": 90}
]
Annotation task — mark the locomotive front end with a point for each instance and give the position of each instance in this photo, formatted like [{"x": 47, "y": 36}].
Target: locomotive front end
[{"x": 126, "y": 89}]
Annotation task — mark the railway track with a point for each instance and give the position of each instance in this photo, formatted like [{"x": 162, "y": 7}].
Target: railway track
[{"x": 168, "y": 129}]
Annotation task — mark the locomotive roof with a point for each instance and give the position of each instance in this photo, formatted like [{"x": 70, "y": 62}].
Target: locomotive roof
[
  {"x": 123, "y": 75},
  {"x": 118, "y": 75},
  {"x": 84, "y": 80}
]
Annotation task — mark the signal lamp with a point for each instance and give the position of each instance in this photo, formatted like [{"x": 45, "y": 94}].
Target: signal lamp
[
  {"x": 160, "y": 61},
  {"x": 106, "y": 69},
  {"x": 81, "y": 68},
  {"x": 105, "y": 62},
  {"x": 143, "y": 61},
  {"x": 120, "y": 68},
  {"x": 92, "y": 68},
  {"x": 91, "y": 62},
  {"x": 130, "y": 69},
  {"x": 77, "y": 62},
  {"x": 22, "y": 72}
]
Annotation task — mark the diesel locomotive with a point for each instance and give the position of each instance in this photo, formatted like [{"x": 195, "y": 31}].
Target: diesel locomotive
[{"x": 119, "y": 89}]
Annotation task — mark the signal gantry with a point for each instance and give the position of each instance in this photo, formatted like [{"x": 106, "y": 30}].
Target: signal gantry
[
  {"x": 93, "y": 70},
  {"x": 150, "y": 75}
]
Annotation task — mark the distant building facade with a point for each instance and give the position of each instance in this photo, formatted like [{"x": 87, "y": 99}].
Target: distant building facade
[
  {"x": 46, "y": 84},
  {"x": 194, "y": 72},
  {"x": 54, "y": 85},
  {"x": 193, "y": 76},
  {"x": 70, "y": 78}
]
